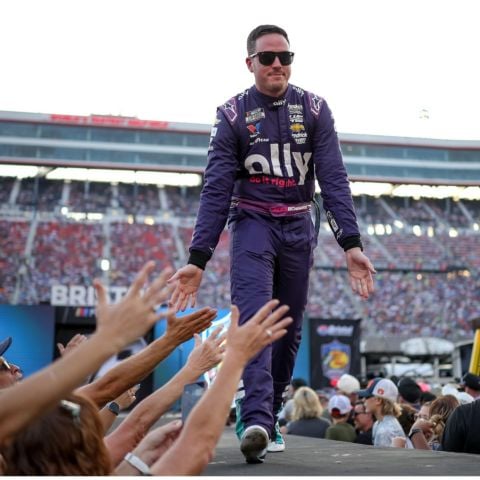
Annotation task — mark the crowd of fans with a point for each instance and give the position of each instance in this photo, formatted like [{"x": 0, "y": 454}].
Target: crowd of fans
[
  {"x": 51, "y": 424},
  {"x": 13, "y": 238},
  {"x": 388, "y": 413},
  {"x": 132, "y": 245},
  {"x": 426, "y": 285}
]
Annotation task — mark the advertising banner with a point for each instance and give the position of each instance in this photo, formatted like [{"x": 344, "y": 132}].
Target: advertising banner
[{"x": 334, "y": 350}]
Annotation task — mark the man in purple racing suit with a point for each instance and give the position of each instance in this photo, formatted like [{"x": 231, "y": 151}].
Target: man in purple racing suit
[{"x": 267, "y": 146}]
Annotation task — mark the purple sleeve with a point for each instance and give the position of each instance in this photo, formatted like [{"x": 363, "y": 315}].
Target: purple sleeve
[
  {"x": 332, "y": 178},
  {"x": 217, "y": 189}
]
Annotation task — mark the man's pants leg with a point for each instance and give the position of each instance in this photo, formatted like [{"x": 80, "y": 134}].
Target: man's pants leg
[
  {"x": 252, "y": 268},
  {"x": 263, "y": 253},
  {"x": 293, "y": 265}
]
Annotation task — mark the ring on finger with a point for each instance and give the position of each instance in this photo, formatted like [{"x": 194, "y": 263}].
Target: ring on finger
[{"x": 268, "y": 332}]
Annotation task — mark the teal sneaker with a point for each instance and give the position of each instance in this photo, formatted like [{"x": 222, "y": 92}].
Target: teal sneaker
[
  {"x": 278, "y": 442},
  {"x": 239, "y": 425}
]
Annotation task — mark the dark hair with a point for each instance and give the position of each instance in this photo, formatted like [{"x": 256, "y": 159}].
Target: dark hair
[
  {"x": 261, "y": 30},
  {"x": 406, "y": 417},
  {"x": 426, "y": 397}
]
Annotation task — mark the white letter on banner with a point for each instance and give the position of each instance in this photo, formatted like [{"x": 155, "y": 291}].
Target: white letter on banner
[
  {"x": 77, "y": 295},
  {"x": 58, "y": 295}
]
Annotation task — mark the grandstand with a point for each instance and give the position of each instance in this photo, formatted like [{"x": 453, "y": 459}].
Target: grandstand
[{"x": 100, "y": 195}]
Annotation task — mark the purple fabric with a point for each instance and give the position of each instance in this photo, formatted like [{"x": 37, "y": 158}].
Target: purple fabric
[{"x": 270, "y": 259}]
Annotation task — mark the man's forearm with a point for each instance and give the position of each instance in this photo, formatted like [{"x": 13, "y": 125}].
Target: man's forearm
[{"x": 129, "y": 372}]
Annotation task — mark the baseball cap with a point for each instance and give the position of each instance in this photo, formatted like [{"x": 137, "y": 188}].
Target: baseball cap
[
  {"x": 471, "y": 380},
  {"x": 4, "y": 345},
  {"x": 409, "y": 389},
  {"x": 380, "y": 387},
  {"x": 340, "y": 403},
  {"x": 348, "y": 383}
]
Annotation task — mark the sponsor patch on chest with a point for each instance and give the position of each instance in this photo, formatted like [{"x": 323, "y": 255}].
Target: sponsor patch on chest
[{"x": 254, "y": 115}]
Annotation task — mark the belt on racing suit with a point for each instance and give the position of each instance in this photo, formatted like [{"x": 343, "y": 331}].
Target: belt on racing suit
[
  {"x": 279, "y": 209},
  {"x": 273, "y": 209}
]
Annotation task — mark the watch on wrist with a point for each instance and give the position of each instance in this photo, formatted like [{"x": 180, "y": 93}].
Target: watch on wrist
[
  {"x": 114, "y": 407},
  {"x": 414, "y": 431},
  {"x": 137, "y": 463}
]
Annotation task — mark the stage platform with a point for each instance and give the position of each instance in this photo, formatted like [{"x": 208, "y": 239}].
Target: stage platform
[{"x": 309, "y": 456}]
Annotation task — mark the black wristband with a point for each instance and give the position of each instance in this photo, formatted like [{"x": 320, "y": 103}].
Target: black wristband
[
  {"x": 351, "y": 242},
  {"x": 414, "y": 431},
  {"x": 198, "y": 258},
  {"x": 114, "y": 407}
]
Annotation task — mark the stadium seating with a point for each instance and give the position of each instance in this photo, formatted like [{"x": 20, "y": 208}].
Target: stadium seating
[{"x": 428, "y": 280}]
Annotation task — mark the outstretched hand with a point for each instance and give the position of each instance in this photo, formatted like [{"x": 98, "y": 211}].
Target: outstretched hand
[
  {"x": 158, "y": 441},
  {"x": 187, "y": 282},
  {"x": 75, "y": 341},
  {"x": 181, "y": 329},
  {"x": 263, "y": 328},
  {"x": 360, "y": 271},
  {"x": 208, "y": 354},
  {"x": 135, "y": 313}
]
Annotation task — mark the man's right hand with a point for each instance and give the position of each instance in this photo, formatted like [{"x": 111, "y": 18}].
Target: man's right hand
[{"x": 188, "y": 279}]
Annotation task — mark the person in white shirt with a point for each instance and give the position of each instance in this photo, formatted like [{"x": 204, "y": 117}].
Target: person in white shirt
[{"x": 380, "y": 399}]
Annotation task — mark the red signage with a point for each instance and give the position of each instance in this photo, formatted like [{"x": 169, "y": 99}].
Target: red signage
[{"x": 109, "y": 121}]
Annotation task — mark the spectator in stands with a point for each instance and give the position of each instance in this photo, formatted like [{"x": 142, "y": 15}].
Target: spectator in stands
[
  {"x": 67, "y": 440},
  {"x": 109, "y": 412},
  {"x": 380, "y": 399},
  {"x": 117, "y": 326},
  {"x": 407, "y": 417},
  {"x": 428, "y": 434},
  {"x": 349, "y": 386},
  {"x": 135, "y": 368},
  {"x": 363, "y": 423},
  {"x": 324, "y": 398},
  {"x": 409, "y": 392},
  {"x": 10, "y": 374},
  {"x": 285, "y": 414},
  {"x": 242, "y": 343},
  {"x": 427, "y": 398},
  {"x": 76, "y": 340},
  {"x": 424, "y": 412},
  {"x": 339, "y": 407},
  {"x": 471, "y": 385},
  {"x": 462, "y": 397},
  {"x": 188, "y": 455},
  {"x": 134, "y": 427},
  {"x": 277, "y": 443},
  {"x": 461, "y": 429},
  {"x": 307, "y": 412}
]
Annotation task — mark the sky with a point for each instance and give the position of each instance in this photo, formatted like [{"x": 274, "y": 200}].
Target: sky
[{"x": 386, "y": 67}]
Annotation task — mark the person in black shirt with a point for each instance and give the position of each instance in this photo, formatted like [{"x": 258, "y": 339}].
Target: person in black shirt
[
  {"x": 461, "y": 430},
  {"x": 363, "y": 424}
]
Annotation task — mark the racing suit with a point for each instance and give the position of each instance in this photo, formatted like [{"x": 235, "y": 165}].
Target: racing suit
[{"x": 263, "y": 157}]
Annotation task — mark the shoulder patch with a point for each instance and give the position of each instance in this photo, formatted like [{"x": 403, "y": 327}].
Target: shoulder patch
[
  {"x": 315, "y": 103},
  {"x": 230, "y": 109}
]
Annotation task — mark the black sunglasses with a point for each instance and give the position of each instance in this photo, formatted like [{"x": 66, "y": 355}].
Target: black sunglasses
[
  {"x": 267, "y": 58},
  {"x": 355, "y": 414}
]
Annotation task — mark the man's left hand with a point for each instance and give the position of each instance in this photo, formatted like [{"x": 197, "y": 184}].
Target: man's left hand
[{"x": 360, "y": 271}]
